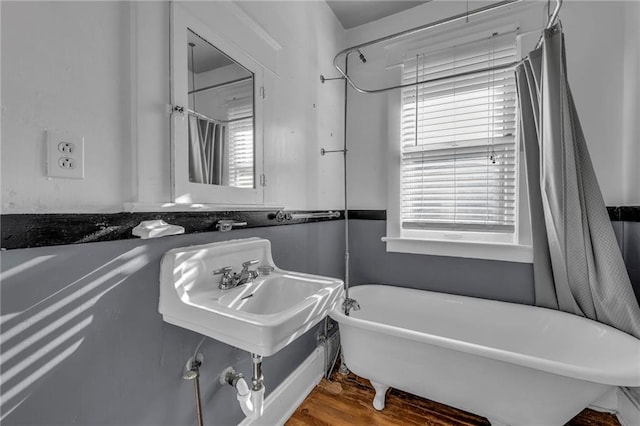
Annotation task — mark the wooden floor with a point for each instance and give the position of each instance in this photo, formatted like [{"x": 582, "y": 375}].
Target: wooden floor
[{"x": 347, "y": 400}]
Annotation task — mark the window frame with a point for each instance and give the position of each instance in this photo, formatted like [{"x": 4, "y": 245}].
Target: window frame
[{"x": 514, "y": 247}]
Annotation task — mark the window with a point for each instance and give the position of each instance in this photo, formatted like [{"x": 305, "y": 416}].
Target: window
[
  {"x": 458, "y": 173},
  {"x": 240, "y": 158}
]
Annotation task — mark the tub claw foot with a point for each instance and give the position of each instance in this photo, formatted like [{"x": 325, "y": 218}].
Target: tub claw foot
[{"x": 381, "y": 393}]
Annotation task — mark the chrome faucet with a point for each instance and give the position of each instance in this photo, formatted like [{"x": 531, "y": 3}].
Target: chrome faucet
[
  {"x": 245, "y": 274},
  {"x": 228, "y": 281}
]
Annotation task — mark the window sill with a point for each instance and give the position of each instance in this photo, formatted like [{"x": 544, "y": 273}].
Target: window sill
[{"x": 475, "y": 250}]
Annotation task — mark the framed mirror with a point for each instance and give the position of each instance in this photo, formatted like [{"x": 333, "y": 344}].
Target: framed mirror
[
  {"x": 220, "y": 117},
  {"x": 216, "y": 118}
]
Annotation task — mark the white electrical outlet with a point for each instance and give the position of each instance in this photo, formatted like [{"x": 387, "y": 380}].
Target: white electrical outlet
[{"x": 65, "y": 155}]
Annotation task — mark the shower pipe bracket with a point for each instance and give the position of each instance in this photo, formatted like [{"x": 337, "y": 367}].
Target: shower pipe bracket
[
  {"x": 329, "y": 151},
  {"x": 323, "y": 78}
]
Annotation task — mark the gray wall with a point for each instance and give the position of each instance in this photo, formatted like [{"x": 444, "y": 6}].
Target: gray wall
[
  {"x": 628, "y": 234},
  {"x": 83, "y": 343},
  {"x": 489, "y": 279},
  {"x": 507, "y": 281}
]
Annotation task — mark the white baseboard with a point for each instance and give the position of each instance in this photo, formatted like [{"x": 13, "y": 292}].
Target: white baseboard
[
  {"x": 286, "y": 398},
  {"x": 628, "y": 409},
  {"x": 607, "y": 403},
  {"x": 620, "y": 402}
]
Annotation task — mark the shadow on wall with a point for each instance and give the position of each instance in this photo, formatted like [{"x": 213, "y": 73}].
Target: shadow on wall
[
  {"x": 41, "y": 336},
  {"x": 82, "y": 341}
]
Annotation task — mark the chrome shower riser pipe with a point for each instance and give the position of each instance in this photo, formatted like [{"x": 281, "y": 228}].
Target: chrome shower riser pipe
[{"x": 346, "y": 196}]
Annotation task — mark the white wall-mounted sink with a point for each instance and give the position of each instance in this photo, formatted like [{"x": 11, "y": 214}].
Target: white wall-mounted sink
[{"x": 260, "y": 317}]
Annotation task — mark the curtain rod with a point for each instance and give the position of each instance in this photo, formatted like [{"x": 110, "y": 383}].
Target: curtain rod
[
  {"x": 551, "y": 22},
  {"x": 215, "y": 86},
  {"x": 432, "y": 25},
  {"x": 215, "y": 120}
]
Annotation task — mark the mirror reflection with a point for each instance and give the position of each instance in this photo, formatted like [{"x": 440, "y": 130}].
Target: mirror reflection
[{"x": 220, "y": 114}]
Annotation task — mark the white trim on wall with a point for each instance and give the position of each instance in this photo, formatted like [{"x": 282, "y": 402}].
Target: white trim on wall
[
  {"x": 620, "y": 402},
  {"x": 628, "y": 409}
]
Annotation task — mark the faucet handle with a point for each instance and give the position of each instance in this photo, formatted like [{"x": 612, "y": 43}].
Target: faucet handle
[
  {"x": 226, "y": 282},
  {"x": 248, "y": 263},
  {"x": 265, "y": 269},
  {"x": 224, "y": 270}
]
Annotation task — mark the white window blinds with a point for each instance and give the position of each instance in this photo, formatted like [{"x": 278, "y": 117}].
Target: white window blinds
[
  {"x": 240, "y": 150},
  {"x": 240, "y": 145},
  {"x": 459, "y": 162}
]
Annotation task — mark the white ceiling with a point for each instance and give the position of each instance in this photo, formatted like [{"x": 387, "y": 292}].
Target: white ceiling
[
  {"x": 352, "y": 13},
  {"x": 207, "y": 57}
]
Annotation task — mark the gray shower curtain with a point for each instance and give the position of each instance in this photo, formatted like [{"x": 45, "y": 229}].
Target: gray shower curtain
[
  {"x": 207, "y": 141},
  {"x": 578, "y": 267}
]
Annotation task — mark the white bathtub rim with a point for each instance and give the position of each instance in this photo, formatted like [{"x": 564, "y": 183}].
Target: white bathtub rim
[{"x": 617, "y": 378}]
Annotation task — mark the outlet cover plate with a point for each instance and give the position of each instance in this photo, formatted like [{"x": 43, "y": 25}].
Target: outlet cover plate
[{"x": 65, "y": 155}]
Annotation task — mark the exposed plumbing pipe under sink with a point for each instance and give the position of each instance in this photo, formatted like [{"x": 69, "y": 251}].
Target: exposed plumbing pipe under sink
[
  {"x": 192, "y": 372},
  {"x": 251, "y": 400}
]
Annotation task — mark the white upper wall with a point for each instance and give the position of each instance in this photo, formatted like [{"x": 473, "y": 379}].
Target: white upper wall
[
  {"x": 73, "y": 66},
  {"x": 65, "y": 66},
  {"x": 595, "y": 42},
  {"x": 306, "y": 114},
  {"x": 631, "y": 105},
  {"x": 596, "y": 67}
]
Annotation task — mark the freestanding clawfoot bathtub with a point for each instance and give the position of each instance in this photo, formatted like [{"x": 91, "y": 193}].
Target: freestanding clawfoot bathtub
[{"x": 514, "y": 364}]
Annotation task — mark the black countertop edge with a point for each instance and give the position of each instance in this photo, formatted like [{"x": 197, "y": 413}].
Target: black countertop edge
[
  {"x": 368, "y": 214},
  {"x": 629, "y": 213},
  {"x": 618, "y": 213},
  {"x": 41, "y": 230},
  {"x": 624, "y": 213}
]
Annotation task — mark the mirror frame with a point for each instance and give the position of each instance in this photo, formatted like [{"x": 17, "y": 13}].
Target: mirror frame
[{"x": 184, "y": 191}]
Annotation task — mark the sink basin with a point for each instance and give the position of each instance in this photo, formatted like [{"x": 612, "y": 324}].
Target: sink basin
[
  {"x": 261, "y": 316},
  {"x": 273, "y": 294}
]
